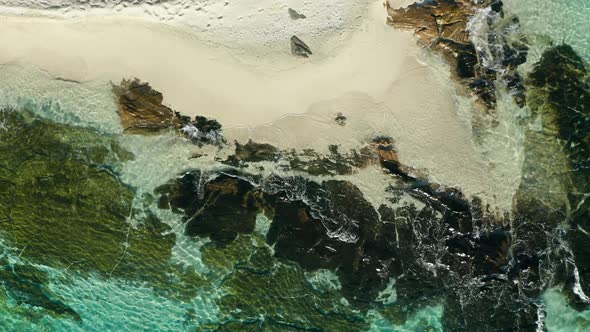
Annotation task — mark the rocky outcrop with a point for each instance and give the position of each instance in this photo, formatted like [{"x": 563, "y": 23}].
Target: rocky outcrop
[
  {"x": 141, "y": 109},
  {"x": 443, "y": 25},
  {"x": 309, "y": 161},
  {"x": 142, "y": 112}
]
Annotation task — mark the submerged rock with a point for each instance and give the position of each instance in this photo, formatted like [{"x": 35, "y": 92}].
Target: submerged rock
[
  {"x": 63, "y": 205},
  {"x": 334, "y": 163},
  {"x": 273, "y": 295},
  {"x": 218, "y": 206},
  {"x": 327, "y": 227},
  {"x": 27, "y": 285},
  {"x": 255, "y": 152},
  {"x": 560, "y": 97},
  {"x": 340, "y": 119}
]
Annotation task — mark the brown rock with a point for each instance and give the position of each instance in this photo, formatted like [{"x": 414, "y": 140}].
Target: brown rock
[
  {"x": 442, "y": 26},
  {"x": 141, "y": 109}
]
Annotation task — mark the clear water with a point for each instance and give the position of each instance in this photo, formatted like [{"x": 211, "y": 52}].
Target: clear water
[
  {"x": 111, "y": 304},
  {"x": 555, "y": 20}
]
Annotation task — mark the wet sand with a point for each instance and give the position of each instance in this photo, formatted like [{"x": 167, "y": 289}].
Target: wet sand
[{"x": 370, "y": 74}]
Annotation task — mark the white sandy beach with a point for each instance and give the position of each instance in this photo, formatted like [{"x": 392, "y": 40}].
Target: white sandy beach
[{"x": 369, "y": 72}]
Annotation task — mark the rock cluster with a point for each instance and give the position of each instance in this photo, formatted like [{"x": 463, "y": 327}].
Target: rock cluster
[
  {"x": 443, "y": 26},
  {"x": 142, "y": 112}
]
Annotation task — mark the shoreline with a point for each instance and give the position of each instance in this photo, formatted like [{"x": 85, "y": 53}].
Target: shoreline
[{"x": 370, "y": 76}]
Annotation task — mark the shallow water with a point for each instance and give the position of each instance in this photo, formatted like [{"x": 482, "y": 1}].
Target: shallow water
[{"x": 198, "y": 283}]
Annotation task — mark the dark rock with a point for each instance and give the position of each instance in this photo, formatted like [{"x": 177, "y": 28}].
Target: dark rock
[
  {"x": 333, "y": 163},
  {"x": 218, "y": 206},
  {"x": 442, "y": 26},
  {"x": 327, "y": 227},
  {"x": 340, "y": 119},
  {"x": 559, "y": 85},
  {"x": 255, "y": 152},
  {"x": 299, "y": 48},
  {"x": 295, "y": 15},
  {"x": 485, "y": 90},
  {"x": 203, "y": 131}
]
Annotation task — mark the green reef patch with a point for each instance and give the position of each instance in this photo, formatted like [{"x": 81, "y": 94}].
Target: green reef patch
[
  {"x": 62, "y": 205},
  {"x": 264, "y": 294}
]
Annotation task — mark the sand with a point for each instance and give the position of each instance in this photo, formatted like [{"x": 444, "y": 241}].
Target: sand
[
  {"x": 368, "y": 71},
  {"x": 237, "y": 89}
]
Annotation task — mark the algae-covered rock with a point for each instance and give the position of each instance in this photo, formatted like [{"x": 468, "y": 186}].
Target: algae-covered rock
[
  {"x": 332, "y": 163},
  {"x": 26, "y": 285},
  {"x": 65, "y": 208},
  {"x": 261, "y": 293},
  {"x": 560, "y": 97},
  {"x": 63, "y": 205},
  {"x": 255, "y": 152},
  {"x": 560, "y": 79}
]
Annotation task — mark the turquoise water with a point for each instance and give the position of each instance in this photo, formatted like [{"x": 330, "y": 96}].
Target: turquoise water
[
  {"x": 562, "y": 21},
  {"x": 204, "y": 287}
]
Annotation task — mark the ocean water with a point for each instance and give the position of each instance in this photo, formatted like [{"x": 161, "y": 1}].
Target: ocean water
[
  {"x": 557, "y": 21},
  {"x": 198, "y": 285}
]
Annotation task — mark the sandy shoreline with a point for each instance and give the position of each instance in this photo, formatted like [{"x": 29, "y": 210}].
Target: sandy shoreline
[
  {"x": 239, "y": 90},
  {"x": 371, "y": 75}
]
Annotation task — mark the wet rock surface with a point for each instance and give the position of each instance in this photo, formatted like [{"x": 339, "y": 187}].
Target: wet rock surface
[
  {"x": 254, "y": 152},
  {"x": 447, "y": 26},
  {"x": 340, "y": 119},
  {"x": 141, "y": 109},
  {"x": 560, "y": 95},
  {"x": 309, "y": 161},
  {"x": 437, "y": 249},
  {"x": 63, "y": 205},
  {"x": 218, "y": 206},
  {"x": 142, "y": 112},
  {"x": 26, "y": 285}
]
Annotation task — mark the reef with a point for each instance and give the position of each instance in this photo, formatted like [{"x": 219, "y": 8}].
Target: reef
[
  {"x": 26, "y": 285},
  {"x": 560, "y": 97},
  {"x": 264, "y": 236},
  {"x": 432, "y": 248},
  {"x": 478, "y": 59},
  {"x": 62, "y": 205},
  {"x": 219, "y": 206}
]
